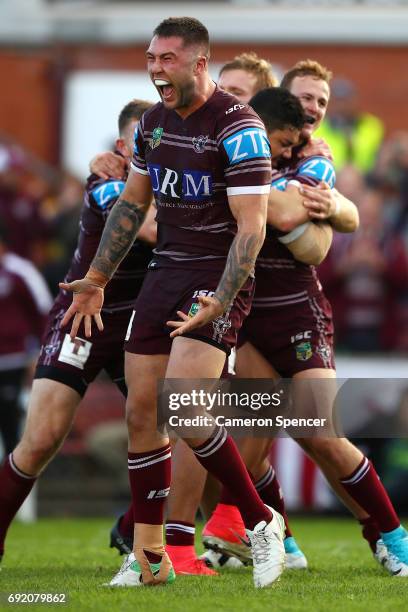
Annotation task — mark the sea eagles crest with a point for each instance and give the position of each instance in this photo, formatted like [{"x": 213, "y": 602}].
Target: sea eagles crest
[{"x": 199, "y": 143}]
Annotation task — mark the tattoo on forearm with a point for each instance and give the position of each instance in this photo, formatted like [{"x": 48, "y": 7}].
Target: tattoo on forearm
[
  {"x": 240, "y": 263},
  {"x": 118, "y": 236}
]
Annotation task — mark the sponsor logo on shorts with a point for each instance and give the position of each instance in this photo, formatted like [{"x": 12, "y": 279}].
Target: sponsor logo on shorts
[
  {"x": 156, "y": 137},
  {"x": 303, "y": 351},
  {"x": 194, "y": 308},
  {"x": 75, "y": 352},
  {"x": 324, "y": 351},
  {"x": 199, "y": 143},
  {"x": 305, "y": 335},
  {"x": 51, "y": 349}
]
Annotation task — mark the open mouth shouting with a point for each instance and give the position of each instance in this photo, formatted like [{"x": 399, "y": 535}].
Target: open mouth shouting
[{"x": 165, "y": 88}]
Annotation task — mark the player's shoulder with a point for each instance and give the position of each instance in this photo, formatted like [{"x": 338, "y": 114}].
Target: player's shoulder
[
  {"x": 228, "y": 111},
  {"x": 102, "y": 192},
  {"x": 151, "y": 114}
]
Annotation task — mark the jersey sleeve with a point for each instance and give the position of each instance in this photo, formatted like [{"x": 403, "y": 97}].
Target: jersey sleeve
[
  {"x": 316, "y": 169},
  {"x": 138, "y": 163},
  {"x": 245, "y": 150},
  {"x": 103, "y": 195}
]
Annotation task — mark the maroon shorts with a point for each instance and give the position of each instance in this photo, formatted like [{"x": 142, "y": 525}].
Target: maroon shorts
[
  {"x": 294, "y": 337},
  {"x": 76, "y": 363},
  {"x": 167, "y": 290}
]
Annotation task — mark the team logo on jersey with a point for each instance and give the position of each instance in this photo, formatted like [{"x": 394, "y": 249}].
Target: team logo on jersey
[
  {"x": 156, "y": 137},
  {"x": 194, "y": 308},
  {"x": 324, "y": 351},
  {"x": 199, "y": 143},
  {"x": 303, "y": 351}
]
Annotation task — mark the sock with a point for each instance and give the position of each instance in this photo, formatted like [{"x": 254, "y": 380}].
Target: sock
[
  {"x": 366, "y": 489},
  {"x": 127, "y": 524},
  {"x": 149, "y": 476},
  {"x": 219, "y": 456},
  {"x": 270, "y": 492},
  {"x": 180, "y": 533},
  {"x": 15, "y": 486},
  {"x": 371, "y": 533}
]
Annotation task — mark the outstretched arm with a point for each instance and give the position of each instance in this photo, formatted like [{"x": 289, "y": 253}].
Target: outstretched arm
[
  {"x": 123, "y": 224},
  {"x": 250, "y": 214}
]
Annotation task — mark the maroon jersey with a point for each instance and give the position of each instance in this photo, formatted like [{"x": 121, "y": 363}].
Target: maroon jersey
[
  {"x": 24, "y": 304},
  {"x": 281, "y": 279},
  {"x": 120, "y": 293},
  {"x": 194, "y": 165}
]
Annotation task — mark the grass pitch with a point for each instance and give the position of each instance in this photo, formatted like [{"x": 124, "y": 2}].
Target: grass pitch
[{"x": 71, "y": 556}]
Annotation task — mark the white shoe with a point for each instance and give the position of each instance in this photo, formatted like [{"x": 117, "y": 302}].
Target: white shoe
[
  {"x": 381, "y": 553},
  {"x": 268, "y": 551},
  {"x": 130, "y": 573},
  {"x": 218, "y": 560}
]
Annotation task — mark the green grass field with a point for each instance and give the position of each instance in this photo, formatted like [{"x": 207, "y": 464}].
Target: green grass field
[{"x": 71, "y": 556}]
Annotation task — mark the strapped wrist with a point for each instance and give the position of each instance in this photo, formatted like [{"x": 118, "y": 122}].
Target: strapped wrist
[{"x": 97, "y": 278}]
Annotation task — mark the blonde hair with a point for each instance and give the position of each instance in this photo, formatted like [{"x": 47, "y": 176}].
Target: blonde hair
[
  {"x": 255, "y": 65},
  {"x": 306, "y": 67}
]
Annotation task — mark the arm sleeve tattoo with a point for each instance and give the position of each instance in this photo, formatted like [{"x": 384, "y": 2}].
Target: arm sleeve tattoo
[
  {"x": 118, "y": 236},
  {"x": 240, "y": 264}
]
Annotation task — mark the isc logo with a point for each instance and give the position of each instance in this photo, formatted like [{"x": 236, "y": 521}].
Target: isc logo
[
  {"x": 234, "y": 108},
  {"x": 158, "y": 494},
  {"x": 188, "y": 184},
  {"x": 306, "y": 335},
  {"x": 203, "y": 293}
]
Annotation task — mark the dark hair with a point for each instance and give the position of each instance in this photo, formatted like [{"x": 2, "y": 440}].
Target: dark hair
[
  {"x": 133, "y": 110},
  {"x": 190, "y": 30},
  {"x": 306, "y": 67},
  {"x": 278, "y": 109}
]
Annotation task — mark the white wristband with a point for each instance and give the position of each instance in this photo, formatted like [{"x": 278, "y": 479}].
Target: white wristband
[{"x": 294, "y": 234}]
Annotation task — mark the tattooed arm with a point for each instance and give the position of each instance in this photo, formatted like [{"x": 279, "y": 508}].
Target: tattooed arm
[
  {"x": 120, "y": 230},
  {"x": 250, "y": 214}
]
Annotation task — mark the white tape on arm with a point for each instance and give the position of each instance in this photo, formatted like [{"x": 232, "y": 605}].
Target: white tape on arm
[{"x": 294, "y": 234}]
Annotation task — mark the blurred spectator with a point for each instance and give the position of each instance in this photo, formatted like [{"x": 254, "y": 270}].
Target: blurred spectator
[
  {"x": 24, "y": 304},
  {"x": 20, "y": 210},
  {"x": 353, "y": 135},
  {"x": 391, "y": 176},
  {"x": 365, "y": 277},
  {"x": 62, "y": 211}
]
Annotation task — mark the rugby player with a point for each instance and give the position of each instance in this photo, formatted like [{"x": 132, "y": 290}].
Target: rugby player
[
  {"x": 206, "y": 159},
  {"x": 67, "y": 366},
  {"x": 290, "y": 328}
]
